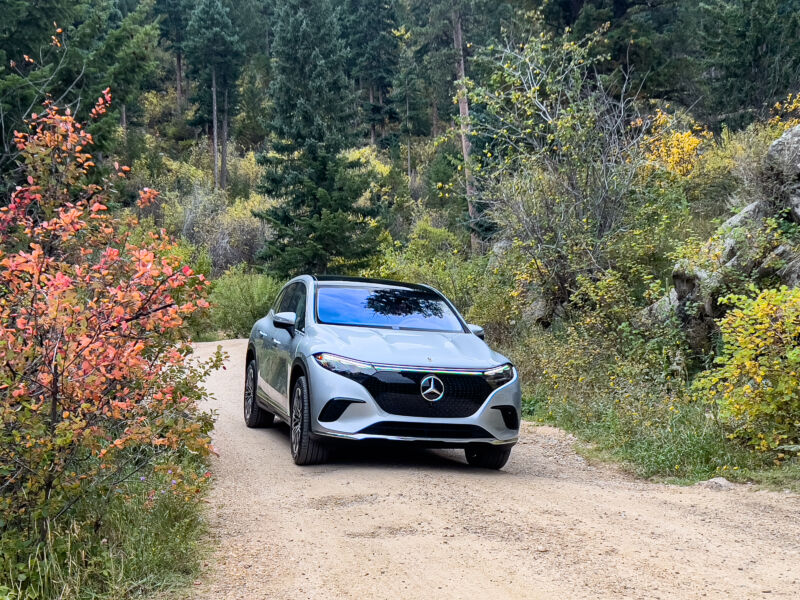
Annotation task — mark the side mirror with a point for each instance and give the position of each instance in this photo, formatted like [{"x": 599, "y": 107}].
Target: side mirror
[
  {"x": 477, "y": 330},
  {"x": 285, "y": 320}
]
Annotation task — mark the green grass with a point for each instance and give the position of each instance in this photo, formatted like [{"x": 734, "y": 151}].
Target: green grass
[
  {"x": 149, "y": 541},
  {"x": 682, "y": 446}
]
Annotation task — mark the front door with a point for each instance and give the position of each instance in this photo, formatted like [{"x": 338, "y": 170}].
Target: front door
[{"x": 279, "y": 345}]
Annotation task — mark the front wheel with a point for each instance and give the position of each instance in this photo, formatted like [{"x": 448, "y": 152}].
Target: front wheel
[
  {"x": 305, "y": 449},
  {"x": 254, "y": 415},
  {"x": 487, "y": 456}
]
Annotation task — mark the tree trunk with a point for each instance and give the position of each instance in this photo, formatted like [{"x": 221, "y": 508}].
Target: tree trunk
[
  {"x": 215, "y": 137},
  {"x": 179, "y": 80},
  {"x": 408, "y": 129},
  {"x": 371, "y": 115},
  {"x": 223, "y": 175},
  {"x": 466, "y": 146},
  {"x": 434, "y": 118},
  {"x": 123, "y": 117},
  {"x": 382, "y": 127}
]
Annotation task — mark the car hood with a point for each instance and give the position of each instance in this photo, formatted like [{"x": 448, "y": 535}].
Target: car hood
[{"x": 426, "y": 349}]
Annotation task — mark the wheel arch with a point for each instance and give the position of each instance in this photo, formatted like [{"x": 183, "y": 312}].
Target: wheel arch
[
  {"x": 299, "y": 370},
  {"x": 251, "y": 355}
]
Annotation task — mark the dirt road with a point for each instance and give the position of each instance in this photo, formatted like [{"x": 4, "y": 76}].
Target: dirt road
[{"x": 403, "y": 524}]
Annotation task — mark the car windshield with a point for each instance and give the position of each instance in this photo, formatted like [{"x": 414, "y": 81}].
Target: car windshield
[{"x": 382, "y": 306}]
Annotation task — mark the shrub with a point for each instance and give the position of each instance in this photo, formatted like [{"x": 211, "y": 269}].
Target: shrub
[
  {"x": 756, "y": 383},
  {"x": 433, "y": 256},
  {"x": 240, "y": 298},
  {"x": 96, "y": 390},
  {"x": 227, "y": 231}
]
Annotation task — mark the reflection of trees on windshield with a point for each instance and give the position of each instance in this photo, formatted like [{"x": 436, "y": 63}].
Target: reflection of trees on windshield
[{"x": 402, "y": 303}]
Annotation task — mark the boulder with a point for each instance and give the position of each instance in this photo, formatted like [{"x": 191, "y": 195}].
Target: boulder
[
  {"x": 537, "y": 311},
  {"x": 784, "y": 155},
  {"x": 696, "y": 290},
  {"x": 662, "y": 310},
  {"x": 794, "y": 207},
  {"x": 497, "y": 252},
  {"x": 748, "y": 213}
]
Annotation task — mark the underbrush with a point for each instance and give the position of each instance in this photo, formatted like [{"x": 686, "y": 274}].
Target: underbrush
[
  {"x": 146, "y": 540},
  {"x": 637, "y": 410},
  {"x": 239, "y": 298}
]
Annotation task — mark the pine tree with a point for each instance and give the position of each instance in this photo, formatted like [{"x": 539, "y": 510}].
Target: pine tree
[
  {"x": 175, "y": 15},
  {"x": 407, "y": 94},
  {"x": 215, "y": 53},
  {"x": 445, "y": 28},
  {"x": 369, "y": 27},
  {"x": 750, "y": 51},
  {"x": 316, "y": 222},
  {"x": 128, "y": 53}
]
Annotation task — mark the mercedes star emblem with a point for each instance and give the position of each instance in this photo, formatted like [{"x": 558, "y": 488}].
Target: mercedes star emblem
[{"x": 431, "y": 388}]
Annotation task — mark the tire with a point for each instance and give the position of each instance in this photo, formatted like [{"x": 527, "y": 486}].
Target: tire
[
  {"x": 254, "y": 415},
  {"x": 305, "y": 449},
  {"x": 486, "y": 456}
]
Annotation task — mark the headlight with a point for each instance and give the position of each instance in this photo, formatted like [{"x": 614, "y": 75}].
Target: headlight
[
  {"x": 343, "y": 366},
  {"x": 499, "y": 375}
]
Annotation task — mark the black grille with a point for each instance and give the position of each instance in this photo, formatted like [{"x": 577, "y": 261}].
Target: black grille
[
  {"x": 398, "y": 393},
  {"x": 427, "y": 430}
]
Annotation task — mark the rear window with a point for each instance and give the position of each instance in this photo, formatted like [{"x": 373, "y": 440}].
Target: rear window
[{"x": 388, "y": 307}]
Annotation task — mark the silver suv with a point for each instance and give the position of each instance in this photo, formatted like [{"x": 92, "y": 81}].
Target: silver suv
[{"x": 367, "y": 359}]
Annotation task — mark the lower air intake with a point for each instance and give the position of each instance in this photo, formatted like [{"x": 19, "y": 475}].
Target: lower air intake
[{"x": 425, "y": 430}]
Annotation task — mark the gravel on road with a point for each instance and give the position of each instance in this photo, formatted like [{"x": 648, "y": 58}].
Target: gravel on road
[{"x": 397, "y": 522}]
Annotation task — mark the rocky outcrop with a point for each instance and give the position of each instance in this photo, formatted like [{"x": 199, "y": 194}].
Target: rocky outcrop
[{"x": 741, "y": 250}]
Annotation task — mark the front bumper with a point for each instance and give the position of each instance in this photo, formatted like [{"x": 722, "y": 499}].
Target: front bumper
[{"x": 364, "y": 419}]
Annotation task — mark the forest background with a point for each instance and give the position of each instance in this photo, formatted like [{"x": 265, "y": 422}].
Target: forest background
[{"x": 609, "y": 187}]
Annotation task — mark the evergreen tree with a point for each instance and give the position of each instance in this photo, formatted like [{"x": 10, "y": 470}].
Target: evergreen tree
[
  {"x": 649, "y": 41},
  {"x": 174, "y": 18},
  {"x": 214, "y": 51},
  {"x": 750, "y": 53},
  {"x": 370, "y": 26},
  {"x": 446, "y": 28},
  {"x": 317, "y": 221},
  {"x": 407, "y": 95},
  {"x": 128, "y": 53}
]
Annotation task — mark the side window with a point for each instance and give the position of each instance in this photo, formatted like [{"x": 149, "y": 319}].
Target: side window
[
  {"x": 294, "y": 300},
  {"x": 278, "y": 300},
  {"x": 289, "y": 299},
  {"x": 300, "y": 309}
]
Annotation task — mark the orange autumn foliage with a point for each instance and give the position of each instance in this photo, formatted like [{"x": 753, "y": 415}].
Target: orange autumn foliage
[{"x": 94, "y": 379}]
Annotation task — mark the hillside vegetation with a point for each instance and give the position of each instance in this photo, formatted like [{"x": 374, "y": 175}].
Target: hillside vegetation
[{"x": 610, "y": 188}]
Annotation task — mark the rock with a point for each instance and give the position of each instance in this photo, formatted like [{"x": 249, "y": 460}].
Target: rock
[
  {"x": 774, "y": 261},
  {"x": 739, "y": 248},
  {"x": 498, "y": 250},
  {"x": 716, "y": 483},
  {"x": 790, "y": 274},
  {"x": 537, "y": 311},
  {"x": 794, "y": 207},
  {"x": 661, "y": 311},
  {"x": 748, "y": 213},
  {"x": 729, "y": 249},
  {"x": 784, "y": 155}
]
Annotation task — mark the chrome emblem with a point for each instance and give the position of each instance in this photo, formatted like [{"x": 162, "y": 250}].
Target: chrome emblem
[{"x": 431, "y": 388}]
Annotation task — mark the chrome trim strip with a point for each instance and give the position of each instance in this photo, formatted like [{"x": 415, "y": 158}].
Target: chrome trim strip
[
  {"x": 397, "y": 438},
  {"x": 416, "y": 369},
  {"x": 445, "y": 370}
]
